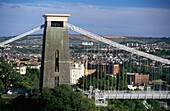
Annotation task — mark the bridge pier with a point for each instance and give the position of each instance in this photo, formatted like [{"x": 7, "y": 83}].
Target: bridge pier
[
  {"x": 55, "y": 65},
  {"x": 168, "y": 103}
]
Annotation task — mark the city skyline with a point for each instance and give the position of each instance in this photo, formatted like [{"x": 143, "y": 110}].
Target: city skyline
[{"x": 117, "y": 18}]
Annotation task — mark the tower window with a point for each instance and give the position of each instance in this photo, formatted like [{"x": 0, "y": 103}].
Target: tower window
[
  {"x": 57, "y": 61},
  {"x": 57, "y": 81},
  {"x": 57, "y": 24}
]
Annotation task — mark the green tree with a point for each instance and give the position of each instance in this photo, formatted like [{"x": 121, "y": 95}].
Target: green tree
[
  {"x": 98, "y": 80},
  {"x": 155, "y": 105},
  {"x": 1, "y": 85},
  {"x": 2, "y": 59},
  {"x": 9, "y": 77},
  {"x": 121, "y": 79},
  {"x": 63, "y": 98},
  {"x": 125, "y": 105},
  {"x": 31, "y": 78}
]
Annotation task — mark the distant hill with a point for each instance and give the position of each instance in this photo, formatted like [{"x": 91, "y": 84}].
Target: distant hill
[{"x": 37, "y": 39}]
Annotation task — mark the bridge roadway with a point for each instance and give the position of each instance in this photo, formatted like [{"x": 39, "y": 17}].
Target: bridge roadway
[{"x": 130, "y": 95}]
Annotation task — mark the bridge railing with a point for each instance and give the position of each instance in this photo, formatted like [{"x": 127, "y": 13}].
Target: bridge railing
[{"x": 134, "y": 95}]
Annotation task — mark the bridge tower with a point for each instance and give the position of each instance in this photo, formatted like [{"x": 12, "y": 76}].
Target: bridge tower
[{"x": 55, "y": 65}]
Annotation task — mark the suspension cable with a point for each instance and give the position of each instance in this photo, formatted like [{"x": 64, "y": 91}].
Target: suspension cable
[
  {"x": 21, "y": 35},
  {"x": 120, "y": 46}
]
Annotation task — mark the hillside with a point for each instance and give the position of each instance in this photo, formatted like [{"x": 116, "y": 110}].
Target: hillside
[{"x": 37, "y": 39}]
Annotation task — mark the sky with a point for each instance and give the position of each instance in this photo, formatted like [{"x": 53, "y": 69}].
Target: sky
[{"x": 144, "y": 18}]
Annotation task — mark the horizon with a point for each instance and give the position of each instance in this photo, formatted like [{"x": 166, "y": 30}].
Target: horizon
[
  {"x": 35, "y": 34},
  {"x": 146, "y": 18}
]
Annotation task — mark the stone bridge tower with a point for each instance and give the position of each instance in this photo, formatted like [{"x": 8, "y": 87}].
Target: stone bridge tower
[{"x": 55, "y": 66}]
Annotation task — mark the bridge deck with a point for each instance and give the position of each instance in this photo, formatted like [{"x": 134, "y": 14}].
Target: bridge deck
[{"x": 132, "y": 95}]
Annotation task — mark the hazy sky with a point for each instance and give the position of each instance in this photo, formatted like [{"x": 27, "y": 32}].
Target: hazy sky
[{"x": 104, "y": 17}]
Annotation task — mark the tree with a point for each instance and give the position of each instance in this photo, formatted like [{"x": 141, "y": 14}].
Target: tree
[
  {"x": 155, "y": 105},
  {"x": 63, "y": 98},
  {"x": 2, "y": 59},
  {"x": 125, "y": 105},
  {"x": 121, "y": 79},
  {"x": 1, "y": 85},
  {"x": 9, "y": 77},
  {"x": 98, "y": 80},
  {"x": 31, "y": 78}
]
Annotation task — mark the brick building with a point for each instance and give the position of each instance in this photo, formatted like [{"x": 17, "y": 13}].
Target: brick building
[
  {"x": 138, "y": 79},
  {"x": 108, "y": 68},
  {"x": 115, "y": 69},
  {"x": 142, "y": 79}
]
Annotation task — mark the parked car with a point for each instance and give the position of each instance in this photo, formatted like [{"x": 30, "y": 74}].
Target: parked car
[{"x": 12, "y": 92}]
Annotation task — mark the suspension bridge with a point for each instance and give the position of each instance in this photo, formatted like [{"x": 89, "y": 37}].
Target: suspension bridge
[{"x": 94, "y": 88}]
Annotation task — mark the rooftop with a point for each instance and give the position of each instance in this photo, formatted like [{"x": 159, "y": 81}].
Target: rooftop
[{"x": 56, "y": 15}]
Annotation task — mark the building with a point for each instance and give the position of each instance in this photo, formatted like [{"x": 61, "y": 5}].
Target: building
[
  {"x": 76, "y": 72},
  {"x": 130, "y": 78},
  {"x": 115, "y": 69},
  {"x": 137, "y": 79},
  {"x": 34, "y": 65},
  {"x": 21, "y": 69},
  {"x": 88, "y": 71},
  {"x": 108, "y": 68},
  {"x": 142, "y": 79}
]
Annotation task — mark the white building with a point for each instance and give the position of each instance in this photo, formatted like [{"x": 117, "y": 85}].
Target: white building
[
  {"x": 76, "y": 72},
  {"x": 21, "y": 70},
  {"x": 34, "y": 66}
]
